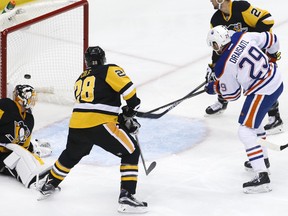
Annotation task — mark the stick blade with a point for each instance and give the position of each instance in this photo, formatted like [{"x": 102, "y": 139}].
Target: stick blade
[
  {"x": 151, "y": 167},
  {"x": 283, "y": 147}
]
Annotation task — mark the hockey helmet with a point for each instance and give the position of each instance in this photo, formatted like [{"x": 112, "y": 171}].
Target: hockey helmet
[
  {"x": 95, "y": 56},
  {"x": 25, "y": 95},
  {"x": 218, "y": 37}
]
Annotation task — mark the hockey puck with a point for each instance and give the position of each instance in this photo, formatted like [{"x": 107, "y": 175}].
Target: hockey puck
[{"x": 27, "y": 76}]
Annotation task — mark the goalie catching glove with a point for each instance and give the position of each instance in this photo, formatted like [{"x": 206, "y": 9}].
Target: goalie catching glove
[{"x": 126, "y": 120}]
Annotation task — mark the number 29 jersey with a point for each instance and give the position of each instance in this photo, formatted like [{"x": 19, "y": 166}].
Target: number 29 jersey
[{"x": 243, "y": 65}]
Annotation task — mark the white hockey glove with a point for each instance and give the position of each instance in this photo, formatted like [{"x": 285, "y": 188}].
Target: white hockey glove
[
  {"x": 210, "y": 74},
  {"x": 41, "y": 148}
]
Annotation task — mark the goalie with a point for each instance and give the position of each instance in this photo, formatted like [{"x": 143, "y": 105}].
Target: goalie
[{"x": 19, "y": 157}]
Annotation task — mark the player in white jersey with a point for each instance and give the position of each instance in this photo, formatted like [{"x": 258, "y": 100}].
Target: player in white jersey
[{"x": 244, "y": 67}]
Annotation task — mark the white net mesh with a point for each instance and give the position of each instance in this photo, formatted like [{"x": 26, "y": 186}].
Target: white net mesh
[{"x": 50, "y": 51}]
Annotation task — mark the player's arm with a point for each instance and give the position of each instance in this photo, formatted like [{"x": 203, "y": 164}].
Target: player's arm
[
  {"x": 265, "y": 40},
  {"x": 226, "y": 84},
  {"x": 269, "y": 42},
  {"x": 120, "y": 82},
  {"x": 261, "y": 20}
]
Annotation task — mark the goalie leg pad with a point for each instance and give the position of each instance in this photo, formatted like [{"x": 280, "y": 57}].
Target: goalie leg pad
[
  {"x": 26, "y": 165},
  {"x": 12, "y": 160}
]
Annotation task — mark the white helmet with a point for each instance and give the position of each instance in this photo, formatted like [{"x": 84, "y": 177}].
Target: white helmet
[{"x": 219, "y": 35}]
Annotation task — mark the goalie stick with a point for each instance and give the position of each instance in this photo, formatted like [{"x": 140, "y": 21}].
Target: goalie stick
[
  {"x": 152, "y": 165},
  {"x": 271, "y": 145}
]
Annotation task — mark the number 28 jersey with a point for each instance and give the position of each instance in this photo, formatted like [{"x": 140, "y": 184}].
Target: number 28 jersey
[{"x": 98, "y": 92}]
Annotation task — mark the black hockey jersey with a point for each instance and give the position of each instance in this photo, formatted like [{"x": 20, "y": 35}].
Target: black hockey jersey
[
  {"x": 98, "y": 93},
  {"x": 244, "y": 17},
  {"x": 15, "y": 127}
]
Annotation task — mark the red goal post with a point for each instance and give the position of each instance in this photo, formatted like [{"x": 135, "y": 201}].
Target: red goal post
[{"x": 42, "y": 44}]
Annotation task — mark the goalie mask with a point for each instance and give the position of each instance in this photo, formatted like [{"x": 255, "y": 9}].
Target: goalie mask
[
  {"x": 218, "y": 37},
  {"x": 25, "y": 95},
  {"x": 95, "y": 56}
]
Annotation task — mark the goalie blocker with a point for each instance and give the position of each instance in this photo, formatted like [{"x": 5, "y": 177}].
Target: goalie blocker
[{"x": 26, "y": 167}]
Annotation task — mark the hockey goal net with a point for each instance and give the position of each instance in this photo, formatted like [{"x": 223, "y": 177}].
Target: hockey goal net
[{"x": 42, "y": 44}]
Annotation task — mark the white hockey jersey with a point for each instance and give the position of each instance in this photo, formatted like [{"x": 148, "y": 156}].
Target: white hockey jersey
[{"x": 243, "y": 65}]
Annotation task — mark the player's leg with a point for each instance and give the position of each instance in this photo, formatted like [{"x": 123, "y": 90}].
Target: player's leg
[
  {"x": 120, "y": 143},
  {"x": 275, "y": 124},
  {"x": 79, "y": 144},
  {"x": 252, "y": 114}
]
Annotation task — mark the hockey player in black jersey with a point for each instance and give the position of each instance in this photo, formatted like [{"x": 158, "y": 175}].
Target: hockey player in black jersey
[
  {"x": 16, "y": 125},
  {"x": 94, "y": 121},
  {"x": 242, "y": 16}
]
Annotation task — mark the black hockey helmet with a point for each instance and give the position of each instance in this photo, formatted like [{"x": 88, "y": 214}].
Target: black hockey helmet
[
  {"x": 25, "y": 95},
  {"x": 95, "y": 56}
]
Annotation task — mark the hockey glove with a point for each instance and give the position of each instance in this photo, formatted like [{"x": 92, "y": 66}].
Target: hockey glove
[
  {"x": 41, "y": 148},
  {"x": 129, "y": 124},
  {"x": 274, "y": 57},
  {"x": 210, "y": 74},
  {"x": 212, "y": 88},
  {"x": 128, "y": 111}
]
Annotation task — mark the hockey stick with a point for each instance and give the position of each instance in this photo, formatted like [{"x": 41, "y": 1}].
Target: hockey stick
[
  {"x": 152, "y": 165},
  {"x": 172, "y": 104},
  {"x": 158, "y": 115},
  {"x": 271, "y": 145},
  {"x": 140, "y": 114}
]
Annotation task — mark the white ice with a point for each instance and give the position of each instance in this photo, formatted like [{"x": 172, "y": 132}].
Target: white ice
[{"x": 162, "y": 46}]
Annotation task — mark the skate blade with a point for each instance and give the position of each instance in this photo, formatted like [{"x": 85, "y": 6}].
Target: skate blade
[
  {"x": 274, "y": 131},
  {"x": 45, "y": 196},
  {"x": 258, "y": 189},
  {"x": 124, "y": 208},
  {"x": 215, "y": 114}
]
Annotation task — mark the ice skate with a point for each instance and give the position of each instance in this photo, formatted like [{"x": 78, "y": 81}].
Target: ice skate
[
  {"x": 217, "y": 108},
  {"x": 274, "y": 126},
  {"x": 259, "y": 184},
  {"x": 47, "y": 190},
  {"x": 128, "y": 204}
]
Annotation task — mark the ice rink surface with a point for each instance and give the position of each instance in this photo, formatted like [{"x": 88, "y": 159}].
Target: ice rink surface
[{"x": 162, "y": 46}]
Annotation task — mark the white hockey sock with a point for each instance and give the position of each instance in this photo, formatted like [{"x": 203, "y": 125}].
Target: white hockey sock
[{"x": 254, "y": 151}]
